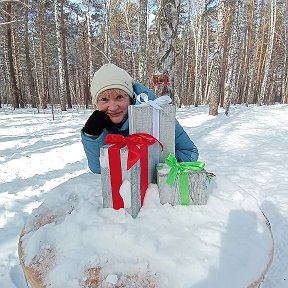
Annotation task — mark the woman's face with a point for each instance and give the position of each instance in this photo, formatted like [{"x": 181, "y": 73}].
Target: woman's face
[{"x": 114, "y": 102}]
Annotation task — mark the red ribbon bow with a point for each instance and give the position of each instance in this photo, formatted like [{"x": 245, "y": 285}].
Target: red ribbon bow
[{"x": 137, "y": 145}]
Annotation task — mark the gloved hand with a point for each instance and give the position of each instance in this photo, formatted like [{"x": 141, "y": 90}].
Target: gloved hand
[{"x": 97, "y": 122}]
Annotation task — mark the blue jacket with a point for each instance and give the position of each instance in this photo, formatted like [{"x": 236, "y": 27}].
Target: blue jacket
[{"x": 185, "y": 149}]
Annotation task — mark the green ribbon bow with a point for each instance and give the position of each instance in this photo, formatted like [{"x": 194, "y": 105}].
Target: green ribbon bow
[{"x": 180, "y": 168}]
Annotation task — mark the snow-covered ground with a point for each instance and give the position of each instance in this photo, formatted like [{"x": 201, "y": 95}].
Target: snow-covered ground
[{"x": 38, "y": 155}]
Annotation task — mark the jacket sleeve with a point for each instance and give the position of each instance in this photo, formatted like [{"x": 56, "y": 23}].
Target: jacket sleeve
[
  {"x": 185, "y": 149},
  {"x": 139, "y": 88},
  {"x": 91, "y": 147}
]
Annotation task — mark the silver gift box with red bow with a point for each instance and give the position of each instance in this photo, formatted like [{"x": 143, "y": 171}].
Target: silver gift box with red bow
[{"x": 131, "y": 180}]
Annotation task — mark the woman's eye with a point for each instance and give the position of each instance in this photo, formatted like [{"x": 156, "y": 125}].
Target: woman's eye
[
  {"x": 103, "y": 99},
  {"x": 119, "y": 97}
]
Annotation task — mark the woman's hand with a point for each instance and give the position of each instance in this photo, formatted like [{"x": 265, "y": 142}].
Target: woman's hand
[{"x": 97, "y": 122}]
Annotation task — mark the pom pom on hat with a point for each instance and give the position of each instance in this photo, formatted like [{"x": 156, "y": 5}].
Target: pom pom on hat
[{"x": 110, "y": 76}]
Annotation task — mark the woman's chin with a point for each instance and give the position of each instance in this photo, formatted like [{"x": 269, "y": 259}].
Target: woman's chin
[{"x": 116, "y": 120}]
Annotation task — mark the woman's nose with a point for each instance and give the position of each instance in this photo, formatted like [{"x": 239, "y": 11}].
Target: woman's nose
[{"x": 112, "y": 105}]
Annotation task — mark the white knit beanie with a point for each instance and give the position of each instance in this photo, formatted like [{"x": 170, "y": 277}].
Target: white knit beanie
[{"x": 110, "y": 76}]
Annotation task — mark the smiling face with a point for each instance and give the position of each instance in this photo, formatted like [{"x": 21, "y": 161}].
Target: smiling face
[{"x": 114, "y": 102}]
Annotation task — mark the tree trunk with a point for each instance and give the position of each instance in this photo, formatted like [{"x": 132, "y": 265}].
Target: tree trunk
[
  {"x": 85, "y": 73},
  {"x": 61, "y": 77},
  {"x": 254, "y": 34},
  {"x": 31, "y": 81},
  {"x": 260, "y": 55},
  {"x": 43, "y": 87},
  {"x": 107, "y": 46},
  {"x": 214, "y": 96},
  {"x": 184, "y": 95},
  {"x": 89, "y": 42},
  {"x": 143, "y": 41},
  {"x": 224, "y": 86},
  {"x": 167, "y": 19},
  {"x": 131, "y": 42},
  {"x": 199, "y": 41},
  {"x": 65, "y": 64},
  {"x": 273, "y": 6},
  {"x": 230, "y": 88},
  {"x": 14, "y": 87}
]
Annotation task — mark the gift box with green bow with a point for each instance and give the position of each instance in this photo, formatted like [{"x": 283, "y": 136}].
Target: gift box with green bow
[{"x": 183, "y": 183}]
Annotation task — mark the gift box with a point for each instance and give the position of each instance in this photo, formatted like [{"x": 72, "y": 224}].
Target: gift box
[
  {"x": 126, "y": 165},
  {"x": 156, "y": 118},
  {"x": 183, "y": 183}
]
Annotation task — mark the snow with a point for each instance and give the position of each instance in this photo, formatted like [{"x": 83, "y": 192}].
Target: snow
[{"x": 42, "y": 162}]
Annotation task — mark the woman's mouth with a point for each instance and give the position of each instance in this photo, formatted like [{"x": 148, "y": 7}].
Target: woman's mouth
[
  {"x": 114, "y": 114},
  {"x": 116, "y": 117}
]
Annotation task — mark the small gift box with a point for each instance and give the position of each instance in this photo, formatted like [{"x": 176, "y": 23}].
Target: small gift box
[
  {"x": 126, "y": 159},
  {"x": 156, "y": 118},
  {"x": 182, "y": 183}
]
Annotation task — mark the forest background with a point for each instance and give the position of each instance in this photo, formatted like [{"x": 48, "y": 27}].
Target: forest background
[{"x": 216, "y": 52}]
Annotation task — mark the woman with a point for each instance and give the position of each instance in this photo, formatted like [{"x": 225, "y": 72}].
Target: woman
[{"x": 113, "y": 90}]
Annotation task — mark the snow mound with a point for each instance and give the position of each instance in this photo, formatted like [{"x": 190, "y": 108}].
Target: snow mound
[{"x": 71, "y": 241}]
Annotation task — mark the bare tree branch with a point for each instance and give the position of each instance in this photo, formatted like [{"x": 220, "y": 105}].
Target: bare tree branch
[
  {"x": 8, "y": 23},
  {"x": 6, "y": 13},
  {"x": 6, "y": 1},
  {"x": 101, "y": 52},
  {"x": 12, "y": 1}
]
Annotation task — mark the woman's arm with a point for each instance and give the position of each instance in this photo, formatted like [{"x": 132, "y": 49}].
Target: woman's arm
[
  {"x": 185, "y": 149},
  {"x": 92, "y": 146}
]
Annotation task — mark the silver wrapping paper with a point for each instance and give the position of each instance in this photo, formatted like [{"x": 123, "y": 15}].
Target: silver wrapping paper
[
  {"x": 141, "y": 121},
  {"x": 171, "y": 194},
  {"x": 132, "y": 175}
]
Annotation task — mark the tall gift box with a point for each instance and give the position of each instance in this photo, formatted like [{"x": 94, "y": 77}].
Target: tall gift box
[
  {"x": 156, "y": 118},
  {"x": 126, "y": 159},
  {"x": 183, "y": 183}
]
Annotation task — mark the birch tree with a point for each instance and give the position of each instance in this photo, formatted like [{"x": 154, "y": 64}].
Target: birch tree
[
  {"x": 4, "y": 87},
  {"x": 107, "y": 47},
  {"x": 60, "y": 55},
  {"x": 285, "y": 45},
  {"x": 254, "y": 34},
  {"x": 43, "y": 81},
  {"x": 143, "y": 41},
  {"x": 89, "y": 40},
  {"x": 129, "y": 12},
  {"x": 65, "y": 63},
  {"x": 14, "y": 86},
  {"x": 230, "y": 88},
  {"x": 167, "y": 24},
  {"x": 198, "y": 30},
  {"x": 184, "y": 73},
  {"x": 224, "y": 81},
  {"x": 214, "y": 90},
  {"x": 30, "y": 76},
  {"x": 224, "y": 87},
  {"x": 269, "y": 49},
  {"x": 260, "y": 49}
]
